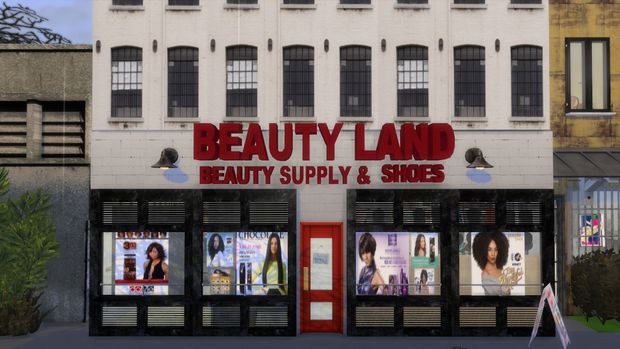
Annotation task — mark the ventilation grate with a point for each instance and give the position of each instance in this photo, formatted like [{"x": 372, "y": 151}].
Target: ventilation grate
[
  {"x": 120, "y": 213},
  {"x": 477, "y": 317},
  {"x": 374, "y": 316},
  {"x": 422, "y": 316},
  {"x": 476, "y": 212},
  {"x": 268, "y": 213},
  {"x": 166, "y": 316},
  {"x": 13, "y": 130},
  {"x": 374, "y": 212},
  {"x": 119, "y": 316},
  {"x": 421, "y": 212},
  {"x": 521, "y": 316},
  {"x": 523, "y": 212},
  {"x": 166, "y": 212},
  {"x": 268, "y": 317},
  {"x": 221, "y": 213},
  {"x": 221, "y": 317},
  {"x": 63, "y": 130}
]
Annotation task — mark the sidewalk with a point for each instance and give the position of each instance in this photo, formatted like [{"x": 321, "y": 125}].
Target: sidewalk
[{"x": 75, "y": 336}]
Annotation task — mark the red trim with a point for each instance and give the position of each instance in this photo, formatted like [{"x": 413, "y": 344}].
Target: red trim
[{"x": 141, "y": 282}]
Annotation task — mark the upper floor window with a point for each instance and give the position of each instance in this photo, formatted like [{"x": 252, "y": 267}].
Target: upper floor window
[
  {"x": 127, "y": 2},
  {"x": 354, "y": 2},
  {"x": 242, "y": 2},
  {"x": 412, "y": 1},
  {"x": 526, "y": 1},
  {"x": 183, "y": 2},
  {"x": 412, "y": 81},
  {"x": 527, "y": 81},
  {"x": 298, "y": 81},
  {"x": 126, "y": 82},
  {"x": 183, "y": 82},
  {"x": 587, "y": 74},
  {"x": 469, "y": 81},
  {"x": 469, "y": 1},
  {"x": 241, "y": 81},
  {"x": 298, "y": 2},
  {"x": 355, "y": 81}
]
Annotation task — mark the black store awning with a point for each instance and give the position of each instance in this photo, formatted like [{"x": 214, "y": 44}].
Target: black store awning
[{"x": 586, "y": 163}]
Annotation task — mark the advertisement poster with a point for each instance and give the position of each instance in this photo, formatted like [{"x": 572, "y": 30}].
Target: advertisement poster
[
  {"x": 219, "y": 269},
  {"x": 382, "y": 266},
  {"x": 425, "y": 264},
  {"x": 498, "y": 265},
  {"x": 592, "y": 230},
  {"x": 141, "y": 263},
  {"x": 261, "y": 264}
]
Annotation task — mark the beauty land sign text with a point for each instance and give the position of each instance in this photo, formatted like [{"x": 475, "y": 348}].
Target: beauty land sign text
[{"x": 410, "y": 146}]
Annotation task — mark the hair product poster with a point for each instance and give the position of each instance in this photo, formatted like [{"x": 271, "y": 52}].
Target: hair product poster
[
  {"x": 141, "y": 263},
  {"x": 425, "y": 267},
  {"x": 219, "y": 269},
  {"x": 382, "y": 265},
  {"x": 261, "y": 264},
  {"x": 498, "y": 264},
  {"x": 592, "y": 229}
]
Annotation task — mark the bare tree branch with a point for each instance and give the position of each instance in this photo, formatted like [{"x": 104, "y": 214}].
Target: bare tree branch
[{"x": 22, "y": 25}]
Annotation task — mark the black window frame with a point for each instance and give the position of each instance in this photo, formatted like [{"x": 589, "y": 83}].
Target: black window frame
[
  {"x": 298, "y": 91},
  {"x": 127, "y": 2},
  {"x": 183, "y": 84},
  {"x": 588, "y": 75},
  {"x": 243, "y": 99},
  {"x": 362, "y": 89},
  {"x": 355, "y": 2},
  {"x": 409, "y": 53},
  {"x": 526, "y": 2},
  {"x": 183, "y": 2},
  {"x": 412, "y": 2},
  {"x": 242, "y": 2},
  {"x": 132, "y": 101},
  {"x": 298, "y": 2},
  {"x": 469, "y": 95},
  {"x": 469, "y": 2},
  {"x": 526, "y": 81}
]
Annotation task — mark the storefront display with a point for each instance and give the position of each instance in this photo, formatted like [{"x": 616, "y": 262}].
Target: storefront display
[{"x": 592, "y": 229}]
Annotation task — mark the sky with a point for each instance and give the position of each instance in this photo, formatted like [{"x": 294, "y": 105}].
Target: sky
[{"x": 70, "y": 18}]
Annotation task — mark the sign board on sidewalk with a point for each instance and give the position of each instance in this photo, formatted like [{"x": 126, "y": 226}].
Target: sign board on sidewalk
[{"x": 547, "y": 294}]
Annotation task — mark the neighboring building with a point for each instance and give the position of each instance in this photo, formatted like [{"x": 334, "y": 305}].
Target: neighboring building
[
  {"x": 291, "y": 74},
  {"x": 584, "y": 98},
  {"x": 44, "y": 143}
]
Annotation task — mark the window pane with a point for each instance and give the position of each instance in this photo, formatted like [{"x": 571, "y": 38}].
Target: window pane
[
  {"x": 412, "y": 81},
  {"x": 527, "y": 79},
  {"x": 242, "y": 81},
  {"x": 126, "y": 82},
  {"x": 599, "y": 75},
  {"x": 355, "y": 81},
  {"x": 183, "y": 82},
  {"x": 298, "y": 81},
  {"x": 577, "y": 76},
  {"x": 469, "y": 81}
]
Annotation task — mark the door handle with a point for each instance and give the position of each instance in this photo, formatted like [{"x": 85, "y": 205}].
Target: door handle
[{"x": 306, "y": 278}]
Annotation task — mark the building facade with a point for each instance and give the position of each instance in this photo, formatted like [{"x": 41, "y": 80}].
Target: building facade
[
  {"x": 44, "y": 143},
  {"x": 584, "y": 95},
  {"x": 335, "y": 125}
]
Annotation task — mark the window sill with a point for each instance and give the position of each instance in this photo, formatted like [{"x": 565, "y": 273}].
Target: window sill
[
  {"x": 115, "y": 120},
  {"x": 533, "y": 119},
  {"x": 297, "y": 119},
  {"x": 355, "y": 6},
  {"x": 412, "y": 119},
  {"x": 468, "y": 6},
  {"x": 298, "y": 6},
  {"x": 126, "y": 8},
  {"x": 355, "y": 119},
  {"x": 526, "y": 6},
  {"x": 183, "y": 8},
  {"x": 242, "y": 7},
  {"x": 416, "y": 7},
  {"x": 241, "y": 119},
  {"x": 603, "y": 114},
  {"x": 181, "y": 120},
  {"x": 468, "y": 119}
]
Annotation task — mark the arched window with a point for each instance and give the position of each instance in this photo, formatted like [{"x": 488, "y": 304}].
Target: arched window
[
  {"x": 241, "y": 81},
  {"x": 183, "y": 82},
  {"x": 355, "y": 81},
  {"x": 412, "y": 81},
  {"x": 527, "y": 81},
  {"x": 469, "y": 81},
  {"x": 298, "y": 81},
  {"x": 126, "y": 82}
]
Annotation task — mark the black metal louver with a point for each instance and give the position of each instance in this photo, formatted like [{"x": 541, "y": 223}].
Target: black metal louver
[
  {"x": 221, "y": 316},
  {"x": 268, "y": 317},
  {"x": 374, "y": 212},
  {"x": 166, "y": 212},
  {"x": 120, "y": 212},
  {"x": 421, "y": 212},
  {"x": 518, "y": 212},
  {"x": 221, "y": 213},
  {"x": 268, "y": 213},
  {"x": 476, "y": 212}
]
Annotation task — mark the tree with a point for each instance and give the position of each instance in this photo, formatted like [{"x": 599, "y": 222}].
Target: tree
[{"x": 22, "y": 25}]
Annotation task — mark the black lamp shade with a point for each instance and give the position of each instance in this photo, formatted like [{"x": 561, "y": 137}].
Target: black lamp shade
[
  {"x": 167, "y": 159},
  {"x": 476, "y": 159}
]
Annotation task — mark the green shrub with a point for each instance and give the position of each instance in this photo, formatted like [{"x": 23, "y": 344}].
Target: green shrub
[
  {"x": 596, "y": 284},
  {"x": 27, "y": 243}
]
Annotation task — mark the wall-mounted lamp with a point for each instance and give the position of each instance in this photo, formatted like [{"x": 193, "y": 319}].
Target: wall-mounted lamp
[
  {"x": 497, "y": 44},
  {"x": 154, "y": 45},
  {"x": 167, "y": 159},
  {"x": 326, "y": 45},
  {"x": 476, "y": 159},
  {"x": 269, "y": 45},
  {"x": 440, "y": 44},
  {"x": 98, "y": 46},
  {"x": 383, "y": 45},
  {"x": 212, "y": 45}
]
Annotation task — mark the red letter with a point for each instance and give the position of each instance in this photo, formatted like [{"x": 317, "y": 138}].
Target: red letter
[
  {"x": 414, "y": 141},
  {"x": 388, "y": 143},
  {"x": 285, "y": 154},
  {"x": 330, "y": 139},
  {"x": 227, "y": 141},
  {"x": 360, "y": 152},
  {"x": 254, "y": 143},
  {"x": 205, "y": 142},
  {"x": 442, "y": 141},
  {"x": 437, "y": 170},
  {"x": 305, "y": 130}
]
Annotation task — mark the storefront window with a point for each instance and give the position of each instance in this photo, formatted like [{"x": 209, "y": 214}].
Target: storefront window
[
  {"x": 398, "y": 263},
  {"x": 245, "y": 263},
  {"x": 499, "y": 264},
  {"x": 143, "y": 263}
]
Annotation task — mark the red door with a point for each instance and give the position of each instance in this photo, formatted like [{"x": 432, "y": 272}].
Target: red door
[{"x": 321, "y": 277}]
